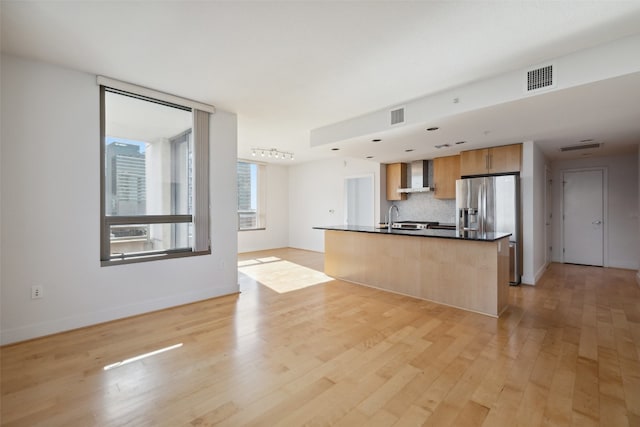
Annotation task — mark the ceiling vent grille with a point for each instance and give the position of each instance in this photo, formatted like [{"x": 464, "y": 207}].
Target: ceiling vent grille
[
  {"x": 580, "y": 147},
  {"x": 397, "y": 116},
  {"x": 540, "y": 78}
]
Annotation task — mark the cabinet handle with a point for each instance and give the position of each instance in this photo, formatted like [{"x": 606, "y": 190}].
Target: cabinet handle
[
  {"x": 486, "y": 162},
  {"x": 489, "y": 158}
]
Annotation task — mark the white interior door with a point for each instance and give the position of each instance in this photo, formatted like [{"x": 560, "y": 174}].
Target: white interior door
[
  {"x": 583, "y": 217},
  {"x": 359, "y": 201}
]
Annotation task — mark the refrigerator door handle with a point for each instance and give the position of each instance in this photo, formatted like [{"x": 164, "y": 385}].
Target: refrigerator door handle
[
  {"x": 481, "y": 208},
  {"x": 484, "y": 205}
]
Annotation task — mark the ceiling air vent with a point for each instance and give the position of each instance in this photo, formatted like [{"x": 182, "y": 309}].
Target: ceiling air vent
[
  {"x": 540, "y": 78},
  {"x": 397, "y": 116},
  {"x": 580, "y": 147}
]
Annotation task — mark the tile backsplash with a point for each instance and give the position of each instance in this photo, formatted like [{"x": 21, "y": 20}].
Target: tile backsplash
[{"x": 425, "y": 207}]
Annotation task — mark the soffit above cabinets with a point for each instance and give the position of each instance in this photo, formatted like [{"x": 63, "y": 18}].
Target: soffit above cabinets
[{"x": 575, "y": 104}]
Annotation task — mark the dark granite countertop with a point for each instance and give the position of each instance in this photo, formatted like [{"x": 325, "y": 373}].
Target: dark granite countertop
[{"x": 443, "y": 234}]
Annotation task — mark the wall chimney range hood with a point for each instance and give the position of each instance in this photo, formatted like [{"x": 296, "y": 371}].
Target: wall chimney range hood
[{"x": 418, "y": 177}]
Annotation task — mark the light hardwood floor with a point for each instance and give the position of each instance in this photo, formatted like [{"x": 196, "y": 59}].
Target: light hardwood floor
[{"x": 565, "y": 353}]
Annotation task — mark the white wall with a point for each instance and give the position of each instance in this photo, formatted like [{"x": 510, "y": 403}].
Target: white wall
[
  {"x": 276, "y": 234},
  {"x": 527, "y": 206},
  {"x": 51, "y": 212},
  {"x": 316, "y": 197},
  {"x": 539, "y": 262},
  {"x": 532, "y": 190},
  {"x": 622, "y": 209}
]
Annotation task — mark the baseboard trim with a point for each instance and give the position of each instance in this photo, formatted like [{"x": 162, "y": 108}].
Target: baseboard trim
[
  {"x": 528, "y": 279},
  {"x": 50, "y": 327},
  {"x": 541, "y": 272},
  {"x": 532, "y": 280}
]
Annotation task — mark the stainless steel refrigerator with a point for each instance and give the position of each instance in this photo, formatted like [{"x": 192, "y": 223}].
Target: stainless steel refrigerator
[{"x": 492, "y": 204}]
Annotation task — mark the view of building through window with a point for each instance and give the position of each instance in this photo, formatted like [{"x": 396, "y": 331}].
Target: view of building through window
[
  {"x": 126, "y": 179},
  {"x": 125, "y": 186},
  {"x": 249, "y": 206}
]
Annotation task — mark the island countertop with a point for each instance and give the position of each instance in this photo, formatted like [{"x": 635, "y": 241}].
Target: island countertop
[{"x": 443, "y": 234}]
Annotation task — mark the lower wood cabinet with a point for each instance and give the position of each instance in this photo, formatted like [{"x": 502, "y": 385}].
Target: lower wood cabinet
[{"x": 424, "y": 267}]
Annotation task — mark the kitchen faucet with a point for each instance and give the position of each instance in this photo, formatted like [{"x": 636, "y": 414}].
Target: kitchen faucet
[{"x": 390, "y": 224}]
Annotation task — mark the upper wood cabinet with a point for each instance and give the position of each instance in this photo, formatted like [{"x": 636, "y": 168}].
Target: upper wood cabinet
[
  {"x": 446, "y": 170},
  {"x": 507, "y": 158},
  {"x": 396, "y": 178},
  {"x": 474, "y": 162}
]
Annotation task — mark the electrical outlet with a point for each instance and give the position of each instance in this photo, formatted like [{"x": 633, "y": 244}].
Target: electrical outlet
[{"x": 36, "y": 292}]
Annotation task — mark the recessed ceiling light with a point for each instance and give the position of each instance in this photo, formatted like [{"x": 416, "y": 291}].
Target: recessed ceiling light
[
  {"x": 586, "y": 140},
  {"x": 369, "y": 157},
  {"x": 376, "y": 140},
  {"x": 431, "y": 129},
  {"x": 335, "y": 149},
  {"x": 442, "y": 146},
  {"x": 460, "y": 142},
  {"x": 408, "y": 150}
]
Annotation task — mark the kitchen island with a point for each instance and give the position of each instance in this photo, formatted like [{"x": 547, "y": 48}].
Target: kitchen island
[{"x": 468, "y": 271}]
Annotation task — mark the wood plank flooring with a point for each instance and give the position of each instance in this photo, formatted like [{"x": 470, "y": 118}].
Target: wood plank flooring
[{"x": 324, "y": 352}]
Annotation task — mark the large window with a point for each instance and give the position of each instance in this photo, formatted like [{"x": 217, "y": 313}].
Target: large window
[
  {"x": 251, "y": 197},
  {"x": 154, "y": 178}
]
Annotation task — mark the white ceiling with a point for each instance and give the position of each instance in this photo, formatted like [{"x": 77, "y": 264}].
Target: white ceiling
[{"x": 289, "y": 67}]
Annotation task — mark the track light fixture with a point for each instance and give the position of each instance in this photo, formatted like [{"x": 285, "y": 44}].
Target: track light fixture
[{"x": 272, "y": 152}]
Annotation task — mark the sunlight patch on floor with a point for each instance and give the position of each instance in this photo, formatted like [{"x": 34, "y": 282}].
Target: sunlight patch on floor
[
  {"x": 141, "y": 356},
  {"x": 269, "y": 259},
  {"x": 248, "y": 262},
  {"x": 282, "y": 276}
]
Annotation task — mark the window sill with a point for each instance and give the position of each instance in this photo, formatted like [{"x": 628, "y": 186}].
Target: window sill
[{"x": 155, "y": 257}]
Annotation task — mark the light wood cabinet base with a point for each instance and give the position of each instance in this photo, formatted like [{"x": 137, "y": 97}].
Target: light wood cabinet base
[{"x": 467, "y": 274}]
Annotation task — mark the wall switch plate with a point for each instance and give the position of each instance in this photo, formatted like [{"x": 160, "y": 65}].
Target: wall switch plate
[{"x": 36, "y": 292}]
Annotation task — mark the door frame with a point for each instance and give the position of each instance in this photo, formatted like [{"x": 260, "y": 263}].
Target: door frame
[
  {"x": 605, "y": 210},
  {"x": 346, "y": 179}
]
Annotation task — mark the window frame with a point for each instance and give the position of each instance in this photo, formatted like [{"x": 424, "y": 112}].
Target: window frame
[{"x": 106, "y": 221}]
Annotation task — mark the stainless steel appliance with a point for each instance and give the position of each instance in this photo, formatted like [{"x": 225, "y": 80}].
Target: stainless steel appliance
[
  {"x": 414, "y": 225},
  {"x": 418, "y": 176},
  {"x": 492, "y": 204}
]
